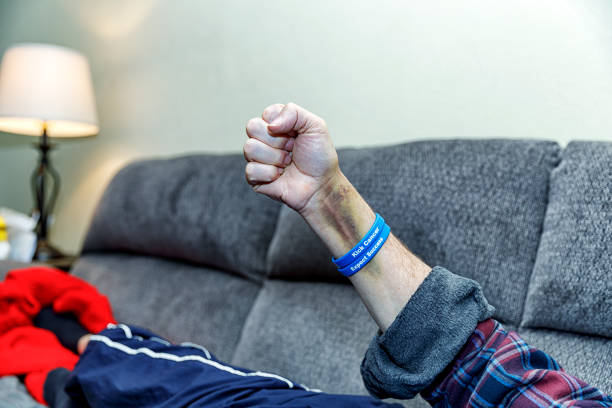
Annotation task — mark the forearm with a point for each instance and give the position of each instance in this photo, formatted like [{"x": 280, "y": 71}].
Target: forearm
[{"x": 341, "y": 217}]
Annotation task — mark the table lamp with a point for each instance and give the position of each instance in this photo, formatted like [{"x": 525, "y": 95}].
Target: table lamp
[{"x": 46, "y": 91}]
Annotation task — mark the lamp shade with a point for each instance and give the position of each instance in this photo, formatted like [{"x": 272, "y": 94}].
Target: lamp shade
[{"x": 46, "y": 86}]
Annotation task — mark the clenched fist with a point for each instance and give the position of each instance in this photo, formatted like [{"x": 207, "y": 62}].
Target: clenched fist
[{"x": 290, "y": 155}]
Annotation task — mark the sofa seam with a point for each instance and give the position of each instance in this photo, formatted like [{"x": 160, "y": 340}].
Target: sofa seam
[
  {"x": 267, "y": 261},
  {"x": 559, "y": 159},
  {"x": 246, "y": 319}
]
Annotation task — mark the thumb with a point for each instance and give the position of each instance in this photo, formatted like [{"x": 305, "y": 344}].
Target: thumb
[{"x": 292, "y": 118}]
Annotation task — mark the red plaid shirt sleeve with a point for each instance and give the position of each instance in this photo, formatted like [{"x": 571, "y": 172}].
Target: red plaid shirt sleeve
[{"x": 497, "y": 368}]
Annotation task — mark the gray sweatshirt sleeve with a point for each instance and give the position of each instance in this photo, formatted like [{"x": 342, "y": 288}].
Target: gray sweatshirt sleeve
[{"x": 425, "y": 337}]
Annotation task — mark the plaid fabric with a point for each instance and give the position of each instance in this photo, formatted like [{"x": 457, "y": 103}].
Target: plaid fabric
[{"x": 497, "y": 368}]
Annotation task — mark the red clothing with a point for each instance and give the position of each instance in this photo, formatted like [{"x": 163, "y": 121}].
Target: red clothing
[{"x": 28, "y": 350}]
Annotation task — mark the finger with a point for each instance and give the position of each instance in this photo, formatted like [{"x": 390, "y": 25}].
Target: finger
[
  {"x": 258, "y": 173},
  {"x": 258, "y": 129},
  {"x": 82, "y": 343},
  {"x": 293, "y": 118},
  {"x": 272, "y": 112},
  {"x": 256, "y": 150}
]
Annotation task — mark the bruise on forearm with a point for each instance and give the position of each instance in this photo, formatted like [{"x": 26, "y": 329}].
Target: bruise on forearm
[{"x": 339, "y": 216}]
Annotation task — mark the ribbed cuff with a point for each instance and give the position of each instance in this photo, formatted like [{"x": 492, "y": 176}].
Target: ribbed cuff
[{"x": 425, "y": 337}]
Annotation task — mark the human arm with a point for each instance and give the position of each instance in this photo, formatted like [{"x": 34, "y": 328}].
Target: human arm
[
  {"x": 426, "y": 316},
  {"x": 329, "y": 203}
]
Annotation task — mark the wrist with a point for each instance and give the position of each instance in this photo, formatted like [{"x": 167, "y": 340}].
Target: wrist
[
  {"x": 334, "y": 188},
  {"x": 338, "y": 214}
]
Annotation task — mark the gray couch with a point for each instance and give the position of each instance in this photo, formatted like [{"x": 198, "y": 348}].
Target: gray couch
[{"x": 183, "y": 246}]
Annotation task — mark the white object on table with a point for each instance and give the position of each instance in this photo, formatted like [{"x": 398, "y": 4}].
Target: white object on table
[{"x": 22, "y": 238}]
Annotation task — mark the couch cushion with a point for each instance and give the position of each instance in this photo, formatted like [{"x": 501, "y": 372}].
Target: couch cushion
[
  {"x": 314, "y": 333},
  {"x": 181, "y": 208},
  {"x": 13, "y": 394},
  {"x": 180, "y": 302},
  {"x": 571, "y": 286},
  {"x": 309, "y": 332},
  {"x": 587, "y": 357},
  {"x": 475, "y": 207}
]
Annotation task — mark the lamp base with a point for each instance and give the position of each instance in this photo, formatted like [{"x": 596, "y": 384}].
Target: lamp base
[{"x": 45, "y": 251}]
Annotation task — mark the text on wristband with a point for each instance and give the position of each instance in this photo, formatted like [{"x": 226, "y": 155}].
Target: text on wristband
[
  {"x": 365, "y": 243},
  {"x": 368, "y": 255}
]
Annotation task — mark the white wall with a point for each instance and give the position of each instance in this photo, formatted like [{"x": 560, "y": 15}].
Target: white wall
[{"x": 184, "y": 76}]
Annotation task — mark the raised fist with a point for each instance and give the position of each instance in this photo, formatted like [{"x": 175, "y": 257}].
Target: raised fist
[{"x": 290, "y": 155}]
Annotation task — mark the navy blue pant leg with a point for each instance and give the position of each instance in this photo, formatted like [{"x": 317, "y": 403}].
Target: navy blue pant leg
[{"x": 128, "y": 366}]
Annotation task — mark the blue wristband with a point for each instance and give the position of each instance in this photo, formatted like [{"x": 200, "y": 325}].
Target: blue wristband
[
  {"x": 362, "y": 245},
  {"x": 369, "y": 254}
]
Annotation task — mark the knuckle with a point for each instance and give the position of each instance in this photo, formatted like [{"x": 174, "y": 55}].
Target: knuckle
[
  {"x": 271, "y": 112},
  {"x": 249, "y": 147},
  {"x": 277, "y": 107},
  {"x": 248, "y": 172},
  {"x": 251, "y": 125}
]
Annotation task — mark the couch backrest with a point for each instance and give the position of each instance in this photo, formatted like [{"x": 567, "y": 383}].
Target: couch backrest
[
  {"x": 475, "y": 207},
  {"x": 195, "y": 208},
  {"x": 571, "y": 285}
]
